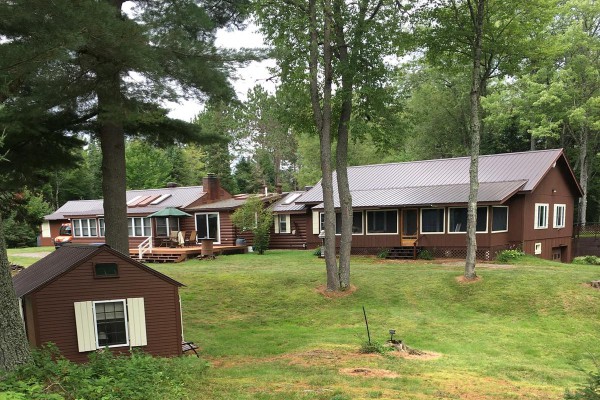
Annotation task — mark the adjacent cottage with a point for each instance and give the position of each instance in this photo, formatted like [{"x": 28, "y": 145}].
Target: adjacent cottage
[
  {"x": 85, "y": 297},
  {"x": 526, "y": 200}
]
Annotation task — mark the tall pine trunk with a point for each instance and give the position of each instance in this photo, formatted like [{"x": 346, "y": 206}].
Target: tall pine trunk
[
  {"x": 14, "y": 348},
  {"x": 475, "y": 99},
  {"x": 583, "y": 174}
]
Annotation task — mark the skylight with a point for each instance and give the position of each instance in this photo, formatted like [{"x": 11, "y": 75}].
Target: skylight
[
  {"x": 161, "y": 198},
  {"x": 291, "y": 198}
]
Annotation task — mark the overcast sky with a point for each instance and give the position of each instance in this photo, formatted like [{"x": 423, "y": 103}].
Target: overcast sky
[{"x": 245, "y": 78}]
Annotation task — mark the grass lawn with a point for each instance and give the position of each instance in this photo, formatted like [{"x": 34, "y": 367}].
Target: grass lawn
[{"x": 521, "y": 332}]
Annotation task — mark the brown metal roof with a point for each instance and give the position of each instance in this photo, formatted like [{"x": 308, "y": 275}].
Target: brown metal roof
[
  {"x": 227, "y": 204},
  {"x": 179, "y": 197},
  {"x": 287, "y": 203},
  {"x": 385, "y": 183},
  {"x": 63, "y": 259}
]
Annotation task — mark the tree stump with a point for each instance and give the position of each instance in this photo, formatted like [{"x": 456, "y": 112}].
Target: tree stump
[{"x": 595, "y": 284}]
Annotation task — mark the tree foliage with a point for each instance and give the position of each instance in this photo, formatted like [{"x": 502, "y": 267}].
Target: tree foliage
[{"x": 254, "y": 216}]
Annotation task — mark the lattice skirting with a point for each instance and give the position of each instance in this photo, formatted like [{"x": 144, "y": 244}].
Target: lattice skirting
[{"x": 483, "y": 253}]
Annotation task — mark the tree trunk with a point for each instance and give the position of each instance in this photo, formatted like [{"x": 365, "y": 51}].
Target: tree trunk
[
  {"x": 583, "y": 175},
  {"x": 342, "y": 148},
  {"x": 475, "y": 98},
  {"x": 322, "y": 117},
  {"x": 14, "y": 348}
]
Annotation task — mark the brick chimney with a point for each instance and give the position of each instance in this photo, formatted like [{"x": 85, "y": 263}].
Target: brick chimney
[{"x": 211, "y": 186}]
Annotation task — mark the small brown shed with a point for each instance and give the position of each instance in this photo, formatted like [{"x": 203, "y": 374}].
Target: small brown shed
[{"x": 87, "y": 297}]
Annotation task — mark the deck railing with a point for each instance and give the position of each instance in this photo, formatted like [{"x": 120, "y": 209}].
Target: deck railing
[{"x": 145, "y": 247}]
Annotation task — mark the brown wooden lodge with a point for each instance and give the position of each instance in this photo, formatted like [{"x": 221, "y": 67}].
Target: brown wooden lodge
[{"x": 526, "y": 200}]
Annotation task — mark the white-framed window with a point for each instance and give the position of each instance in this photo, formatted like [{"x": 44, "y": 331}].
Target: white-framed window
[
  {"x": 357, "y": 222},
  {"x": 432, "y": 220},
  {"x": 457, "y": 219},
  {"x": 499, "y": 219},
  {"x": 559, "y": 215},
  {"x": 101, "y": 227},
  {"x": 282, "y": 223},
  {"x": 164, "y": 225},
  {"x": 541, "y": 216},
  {"x": 208, "y": 226},
  {"x": 382, "y": 222},
  {"x": 110, "y": 323},
  {"x": 84, "y": 227},
  {"x": 139, "y": 227},
  {"x": 537, "y": 249}
]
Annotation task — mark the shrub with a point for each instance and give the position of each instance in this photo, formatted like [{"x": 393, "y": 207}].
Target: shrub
[
  {"x": 317, "y": 251},
  {"x": 104, "y": 377},
  {"x": 590, "y": 390},
  {"x": 383, "y": 253},
  {"x": 587, "y": 260},
  {"x": 509, "y": 255},
  {"x": 374, "y": 347},
  {"x": 425, "y": 255}
]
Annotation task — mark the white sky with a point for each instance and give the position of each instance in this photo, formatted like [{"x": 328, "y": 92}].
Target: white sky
[{"x": 255, "y": 73}]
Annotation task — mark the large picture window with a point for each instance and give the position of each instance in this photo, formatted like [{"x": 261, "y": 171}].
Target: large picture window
[
  {"x": 138, "y": 226},
  {"x": 559, "y": 215},
  {"x": 541, "y": 216},
  {"x": 432, "y": 220},
  {"x": 84, "y": 227},
  {"x": 499, "y": 219},
  {"x": 382, "y": 222},
  {"x": 164, "y": 225},
  {"x": 457, "y": 220},
  {"x": 111, "y": 324},
  {"x": 207, "y": 225},
  {"x": 357, "y": 222}
]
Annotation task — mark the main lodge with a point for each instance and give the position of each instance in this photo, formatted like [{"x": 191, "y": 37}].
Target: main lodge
[{"x": 526, "y": 200}]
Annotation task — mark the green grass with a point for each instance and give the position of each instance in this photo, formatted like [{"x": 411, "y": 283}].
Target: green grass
[
  {"x": 521, "y": 332},
  {"x": 22, "y": 256}
]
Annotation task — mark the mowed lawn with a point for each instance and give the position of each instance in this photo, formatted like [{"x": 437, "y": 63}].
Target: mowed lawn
[{"x": 521, "y": 332}]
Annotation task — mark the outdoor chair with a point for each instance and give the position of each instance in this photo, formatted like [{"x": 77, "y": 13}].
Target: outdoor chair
[
  {"x": 191, "y": 239},
  {"x": 173, "y": 239}
]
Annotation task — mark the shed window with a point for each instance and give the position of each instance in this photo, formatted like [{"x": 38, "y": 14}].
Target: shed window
[
  {"x": 382, "y": 221},
  {"x": 499, "y": 219},
  {"x": 111, "y": 325},
  {"x": 458, "y": 219},
  {"x": 106, "y": 270},
  {"x": 541, "y": 216},
  {"x": 432, "y": 220},
  {"x": 84, "y": 227},
  {"x": 559, "y": 215}
]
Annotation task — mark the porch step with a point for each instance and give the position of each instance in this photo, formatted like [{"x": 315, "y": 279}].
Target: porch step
[
  {"x": 159, "y": 258},
  {"x": 404, "y": 253}
]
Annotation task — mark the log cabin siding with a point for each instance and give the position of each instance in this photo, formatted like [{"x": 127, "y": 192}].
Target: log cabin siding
[
  {"x": 295, "y": 240},
  {"x": 53, "y": 306}
]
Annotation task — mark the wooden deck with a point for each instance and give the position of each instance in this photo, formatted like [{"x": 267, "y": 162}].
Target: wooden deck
[{"x": 179, "y": 254}]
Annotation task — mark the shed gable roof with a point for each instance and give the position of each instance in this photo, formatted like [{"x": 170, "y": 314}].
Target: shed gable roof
[
  {"x": 64, "y": 259},
  {"x": 442, "y": 181}
]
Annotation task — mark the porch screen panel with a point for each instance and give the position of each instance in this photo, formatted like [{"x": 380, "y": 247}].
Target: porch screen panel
[
  {"x": 382, "y": 221},
  {"x": 357, "y": 222},
  {"x": 499, "y": 219},
  {"x": 409, "y": 223},
  {"x": 162, "y": 227},
  {"x": 458, "y": 219},
  {"x": 432, "y": 220}
]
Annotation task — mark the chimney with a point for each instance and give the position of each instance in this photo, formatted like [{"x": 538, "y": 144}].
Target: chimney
[
  {"x": 278, "y": 188},
  {"x": 307, "y": 188},
  {"x": 172, "y": 184},
  {"x": 211, "y": 186}
]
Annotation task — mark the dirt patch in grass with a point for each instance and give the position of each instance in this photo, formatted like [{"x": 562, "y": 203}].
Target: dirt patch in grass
[
  {"x": 322, "y": 290},
  {"x": 462, "y": 279},
  {"x": 425, "y": 356},
  {"x": 369, "y": 372}
]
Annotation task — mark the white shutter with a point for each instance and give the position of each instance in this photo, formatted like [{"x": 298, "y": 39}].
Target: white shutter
[
  {"x": 84, "y": 321},
  {"x": 46, "y": 229},
  {"x": 136, "y": 314},
  {"x": 288, "y": 225},
  {"x": 316, "y": 223},
  {"x": 276, "y": 223}
]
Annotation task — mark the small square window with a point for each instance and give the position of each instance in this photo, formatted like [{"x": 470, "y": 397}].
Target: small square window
[{"x": 106, "y": 270}]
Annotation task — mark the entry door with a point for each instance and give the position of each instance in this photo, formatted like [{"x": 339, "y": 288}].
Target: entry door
[{"x": 410, "y": 226}]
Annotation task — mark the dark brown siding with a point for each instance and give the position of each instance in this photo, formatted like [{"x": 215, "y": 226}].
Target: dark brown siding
[
  {"x": 55, "y": 317},
  {"x": 296, "y": 239}
]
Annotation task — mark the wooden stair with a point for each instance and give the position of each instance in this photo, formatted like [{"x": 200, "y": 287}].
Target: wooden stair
[
  {"x": 160, "y": 257},
  {"x": 402, "y": 253}
]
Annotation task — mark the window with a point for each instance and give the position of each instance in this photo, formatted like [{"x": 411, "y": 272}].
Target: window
[
  {"x": 111, "y": 325},
  {"x": 541, "y": 216},
  {"x": 499, "y": 219},
  {"x": 432, "y": 220},
  {"x": 537, "y": 249},
  {"x": 284, "y": 226},
  {"x": 164, "y": 225},
  {"x": 457, "y": 220},
  {"x": 106, "y": 270},
  {"x": 84, "y": 227},
  {"x": 357, "y": 222},
  {"x": 208, "y": 226},
  {"x": 138, "y": 226},
  {"x": 382, "y": 222},
  {"x": 559, "y": 215},
  {"x": 101, "y": 227}
]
